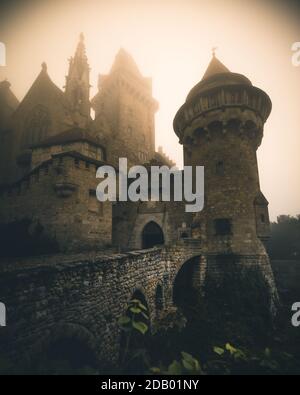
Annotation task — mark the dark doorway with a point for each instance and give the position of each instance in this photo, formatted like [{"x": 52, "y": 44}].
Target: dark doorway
[{"x": 152, "y": 235}]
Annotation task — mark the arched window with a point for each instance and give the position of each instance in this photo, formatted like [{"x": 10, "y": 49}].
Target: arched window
[{"x": 152, "y": 235}]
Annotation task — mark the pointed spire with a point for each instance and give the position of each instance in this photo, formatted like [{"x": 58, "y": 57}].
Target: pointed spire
[
  {"x": 80, "y": 51},
  {"x": 215, "y": 66},
  {"x": 77, "y": 82}
]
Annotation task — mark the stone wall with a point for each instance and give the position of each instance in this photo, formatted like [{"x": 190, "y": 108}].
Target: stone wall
[
  {"x": 60, "y": 196},
  {"x": 82, "y": 296}
]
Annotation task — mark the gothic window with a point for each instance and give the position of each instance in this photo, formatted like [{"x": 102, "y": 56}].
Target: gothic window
[
  {"x": 36, "y": 126},
  {"x": 223, "y": 226}
]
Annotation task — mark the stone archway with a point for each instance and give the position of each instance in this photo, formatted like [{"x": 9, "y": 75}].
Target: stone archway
[
  {"x": 186, "y": 286},
  {"x": 152, "y": 235},
  {"x": 69, "y": 349}
]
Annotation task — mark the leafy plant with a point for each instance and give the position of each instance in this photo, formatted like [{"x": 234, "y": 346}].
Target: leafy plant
[
  {"x": 187, "y": 365},
  {"x": 134, "y": 325}
]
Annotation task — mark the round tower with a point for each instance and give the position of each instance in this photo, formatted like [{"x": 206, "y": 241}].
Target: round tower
[{"x": 221, "y": 126}]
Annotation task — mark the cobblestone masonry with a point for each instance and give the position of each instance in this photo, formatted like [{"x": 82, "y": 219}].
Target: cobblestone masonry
[{"x": 83, "y": 295}]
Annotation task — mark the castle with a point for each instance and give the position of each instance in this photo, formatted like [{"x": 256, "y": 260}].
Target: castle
[
  {"x": 51, "y": 148},
  {"x": 50, "y": 151}
]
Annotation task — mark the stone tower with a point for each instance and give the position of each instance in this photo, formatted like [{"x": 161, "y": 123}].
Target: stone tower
[
  {"x": 125, "y": 103},
  {"x": 77, "y": 89},
  {"x": 221, "y": 126}
]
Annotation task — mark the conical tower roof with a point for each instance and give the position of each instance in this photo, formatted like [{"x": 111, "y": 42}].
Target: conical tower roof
[
  {"x": 217, "y": 75},
  {"x": 215, "y": 67}
]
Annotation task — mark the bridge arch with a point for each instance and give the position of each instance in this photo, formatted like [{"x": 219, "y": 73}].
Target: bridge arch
[
  {"x": 72, "y": 345},
  {"x": 187, "y": 283},
  {"x": 152, "y": 235}
]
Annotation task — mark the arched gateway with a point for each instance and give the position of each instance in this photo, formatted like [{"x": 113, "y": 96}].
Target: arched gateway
[{"x": 152, "y": 235}]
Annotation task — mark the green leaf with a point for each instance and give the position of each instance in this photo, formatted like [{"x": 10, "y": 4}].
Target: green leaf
[
  {"x": 187, "y": 364},
  {"x": 230, "y": 348},
  {"x": 143, "y": 307},
  {"x": 154, "y": 370},
  {"x": 135, "y": 301},
  {"x": 187, "y": 357},
  {"x": 175, "y": 368},
  {"x": 140, "y": 326},
  {"x": 267, "y": 352},
  {"x": 123, "y": 320},
  {"x": 219, "y": 350},
  {"x": 135, "y": 310}
]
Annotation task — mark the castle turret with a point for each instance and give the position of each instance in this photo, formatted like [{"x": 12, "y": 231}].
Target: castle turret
[
  {"x": 77, "y": 89},
  {"x": 221, "y": 126}
]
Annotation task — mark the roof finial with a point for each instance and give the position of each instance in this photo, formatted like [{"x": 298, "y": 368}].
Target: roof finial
[
  {"x": 81, "y": 37},
  {"x": 214, "y": 51},
  {"x": 44, "y": 66}
]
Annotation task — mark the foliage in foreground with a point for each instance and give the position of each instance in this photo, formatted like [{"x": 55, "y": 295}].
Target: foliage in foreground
[{"x": 225, "y": 360}]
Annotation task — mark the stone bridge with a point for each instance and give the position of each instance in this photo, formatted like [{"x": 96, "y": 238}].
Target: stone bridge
[{"x": 81, "y": 297}]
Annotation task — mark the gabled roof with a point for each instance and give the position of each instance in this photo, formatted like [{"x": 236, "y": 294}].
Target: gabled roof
[
  {"x": 69, "y": 136},
  {"x": 43, "y": 86}
]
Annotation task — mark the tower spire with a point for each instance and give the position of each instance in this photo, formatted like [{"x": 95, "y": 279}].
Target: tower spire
[
  {"x": 80, "y": 51},
  {"x": 78, "y": 85}
]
